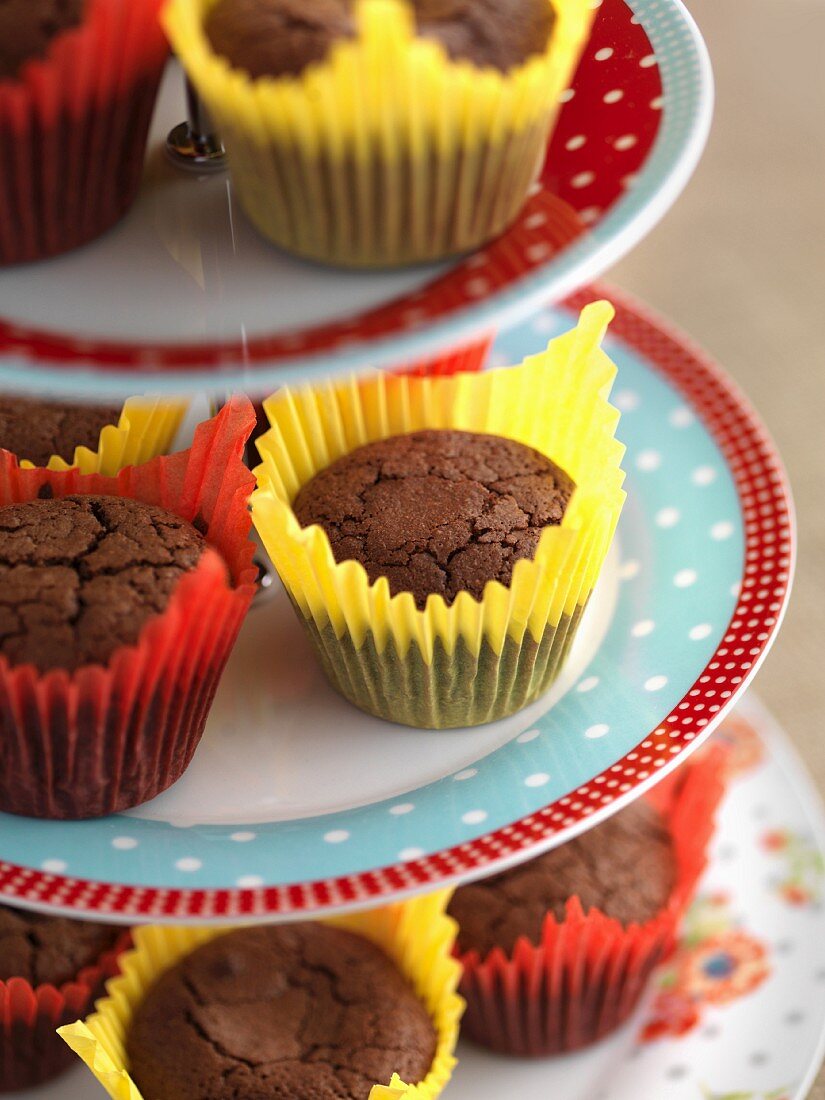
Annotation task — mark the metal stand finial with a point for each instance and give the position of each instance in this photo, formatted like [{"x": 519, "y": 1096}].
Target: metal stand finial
[
  {"x": 194, "y": 144},
  {"x": 266, "y": 588}
]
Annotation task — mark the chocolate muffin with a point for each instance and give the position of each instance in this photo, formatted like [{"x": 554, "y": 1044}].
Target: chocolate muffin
[
  {"x": 38, "y": 951},
  {"x": 78, "y": 83},
  {"x": 282, "y": 37},
  {"x": 625, "y": 867},
  {"x": 299, "y": 1012},
  {"x": 28, "y": 26},
  {"x": 437, "y": 512},
  {"x": 49, "y": 950},
  {"x": 81, "y": 575},
  {"x": 36, "y": 430}
]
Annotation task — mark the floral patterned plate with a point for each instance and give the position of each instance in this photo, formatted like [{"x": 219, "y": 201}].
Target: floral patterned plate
[{"x": 739, "y": 1013}]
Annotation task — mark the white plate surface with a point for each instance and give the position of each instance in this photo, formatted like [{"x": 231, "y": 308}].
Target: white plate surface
[
  {"x": 184, "y": 295},
  {"x": 298, "y": 802}
]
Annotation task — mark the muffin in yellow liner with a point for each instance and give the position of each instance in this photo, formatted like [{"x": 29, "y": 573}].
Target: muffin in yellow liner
[
  {"x": 473, "y": 661},
  {"x": 388, "y": 151},
  {"x": 145, "y": 429},
  {"x": 416, "y": 935}
]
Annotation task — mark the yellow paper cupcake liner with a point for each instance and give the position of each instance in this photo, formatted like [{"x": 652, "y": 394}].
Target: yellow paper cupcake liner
[
  {"x": 145, "y": 429},
  {"x": 384, "y": 653},
  {"x": 388, "y": 151},
  {"x": 416, "y": 935}
]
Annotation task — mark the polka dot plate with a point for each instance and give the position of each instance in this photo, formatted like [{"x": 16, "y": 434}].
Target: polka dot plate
[
  {"x": 296, "y": 802},
  {"x": 184, "y": 296},
  {"x": 740, "y": 1013}
]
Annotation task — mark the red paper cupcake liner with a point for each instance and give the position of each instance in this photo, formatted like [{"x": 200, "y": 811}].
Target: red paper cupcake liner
[
  {"x": 589, "y": 972},
  {"x": 467, "y": 357},
  {"x": 103, "y": 739},
  {"x": 31, "y": 1052},
  {"x": 73, "y": 130}
]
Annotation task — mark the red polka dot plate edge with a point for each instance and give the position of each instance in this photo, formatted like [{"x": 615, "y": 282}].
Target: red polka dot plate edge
[
  {"x": 770, "y": 546},
  {"x": 628, "y": 137}
]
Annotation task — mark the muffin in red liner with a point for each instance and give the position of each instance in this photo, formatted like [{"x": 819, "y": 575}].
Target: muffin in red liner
[
  {"x": 588, "y": 973},
  {"x": 73, "y": 128},
  {"x": 103, "y": 738},
  {"x": 31, "y": 1052}
]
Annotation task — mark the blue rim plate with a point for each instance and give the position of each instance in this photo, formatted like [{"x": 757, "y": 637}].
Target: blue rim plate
[
  {"x": 182, "y": 296},
  {"x": 297, "y": 803}
]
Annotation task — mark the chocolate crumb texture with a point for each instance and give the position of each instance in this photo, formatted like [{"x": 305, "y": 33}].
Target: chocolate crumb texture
[
  {"x": 49, "y": 950},
  {"x": 36, "y": 430},
  {"x": 625, "y": 867},
  {"x": 27, "y": 27},
  {"x": 295, "y": 1012},
  {"x": 81, "y": 575},
  {"x": 437, "y": 512},
  {"x": 283, "y": 37}
]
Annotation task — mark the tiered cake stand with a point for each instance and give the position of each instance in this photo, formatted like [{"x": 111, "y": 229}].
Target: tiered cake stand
[{"x": 297, "y": 804}]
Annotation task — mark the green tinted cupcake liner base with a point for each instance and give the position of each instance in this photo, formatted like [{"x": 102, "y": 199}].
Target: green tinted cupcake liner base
[{"x": 454, "y": 690}]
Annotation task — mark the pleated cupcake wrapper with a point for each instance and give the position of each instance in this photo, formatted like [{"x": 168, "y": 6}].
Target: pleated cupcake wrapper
[
  {"x": 417, "y": 936},
  {"x": 146, "y": 428},
  {"x": 464, "y": 358},
  {"x": 73, "y": 130},
  {"x": 387, "y": 152},
  {"x": 476, "y": 659},
  {"x": 30, "y": 1052},
  {"x": 589, "y": 973},
  {"x": 105, "y": 738},
  {"x": 456, "y": 688}
]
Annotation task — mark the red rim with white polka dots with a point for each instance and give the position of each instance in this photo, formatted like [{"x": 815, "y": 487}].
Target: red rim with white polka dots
[
  {"x": 765, "y": 502},
  {"x": 629, "y": 133}
]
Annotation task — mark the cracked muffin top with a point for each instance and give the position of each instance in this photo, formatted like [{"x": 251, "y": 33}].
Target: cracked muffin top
[
  {"x": 437, "y": 512},
  {"x": 36, "y": 430},
  {"x": 282, "y": 37},
  {"x": 81, "y": 575},
  {"x": 299, "y": 1012},
  {"x": 49, "y": 950},
  {"x": 625, "y": 867},
  {"x": 28, "y": 26}
]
